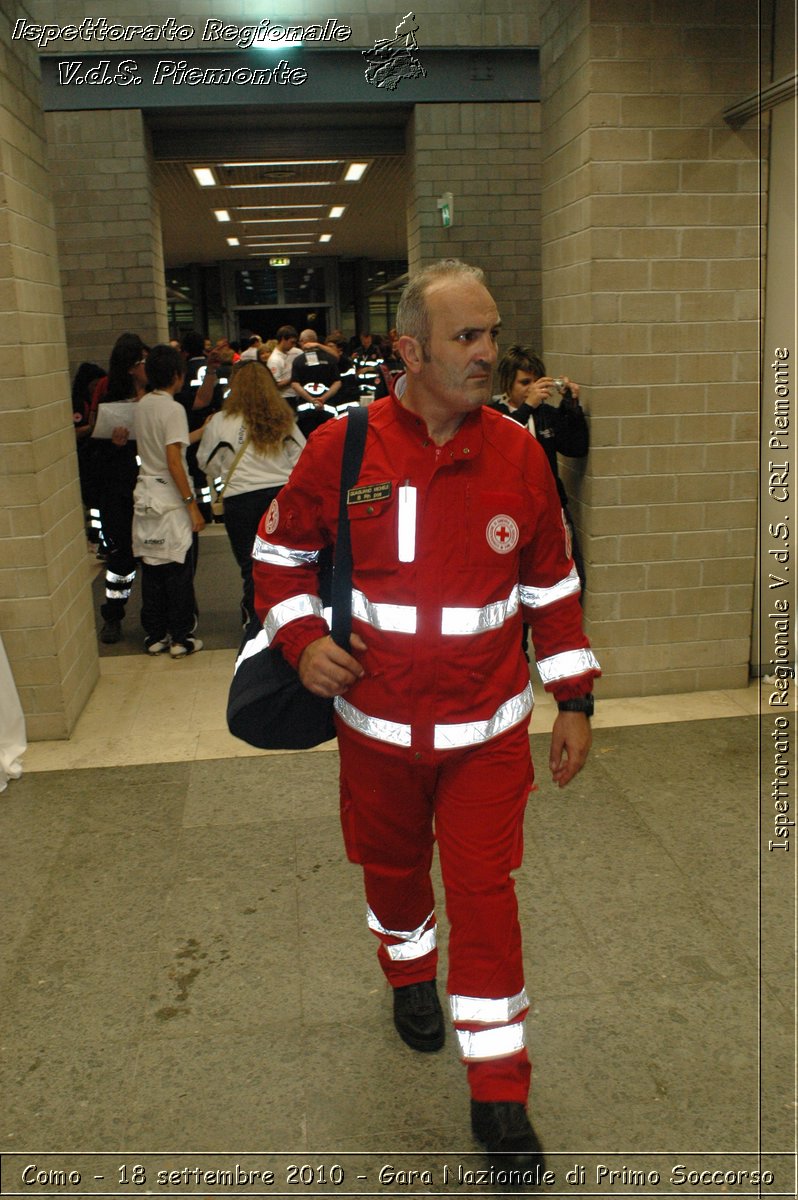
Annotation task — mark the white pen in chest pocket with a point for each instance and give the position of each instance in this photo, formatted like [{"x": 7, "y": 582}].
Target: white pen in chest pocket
[{"x": 407, "y": 523}]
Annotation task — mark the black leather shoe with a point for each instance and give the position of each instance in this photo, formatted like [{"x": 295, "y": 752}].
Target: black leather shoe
[
  {"x": 418, "y": 1017},
  {"x": 111, "y": 632},
  {"x": 504, "y": 1129}
]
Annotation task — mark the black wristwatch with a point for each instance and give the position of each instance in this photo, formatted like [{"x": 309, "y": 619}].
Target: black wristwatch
[{"x": 583, "y": 704}]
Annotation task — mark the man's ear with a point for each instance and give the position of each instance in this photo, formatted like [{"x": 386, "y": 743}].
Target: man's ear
[{"x": 411, "y": 353}]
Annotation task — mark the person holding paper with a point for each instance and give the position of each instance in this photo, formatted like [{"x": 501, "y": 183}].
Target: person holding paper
[{"x": 117, "y": 470}]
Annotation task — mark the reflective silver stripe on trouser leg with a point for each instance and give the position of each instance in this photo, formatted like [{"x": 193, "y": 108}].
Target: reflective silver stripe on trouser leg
[
  {"x": 491, "y": 1043},
  {"x": 506, "y": 1033},
  {"x": 118, "y": 587},
  {"x": 414, "y": 943}
]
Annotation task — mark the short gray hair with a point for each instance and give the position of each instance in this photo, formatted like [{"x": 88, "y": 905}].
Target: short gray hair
[{"x": 412, "y": 313}]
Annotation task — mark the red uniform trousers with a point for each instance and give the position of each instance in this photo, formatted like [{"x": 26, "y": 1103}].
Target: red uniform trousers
[{"x": 472, "y": 802}]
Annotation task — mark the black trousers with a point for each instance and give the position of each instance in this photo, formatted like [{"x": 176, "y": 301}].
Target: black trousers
[
  {"x": 242, "y": 515},
  {"x": 116, "y": 515},
  {"x": 167, "y": 600}
]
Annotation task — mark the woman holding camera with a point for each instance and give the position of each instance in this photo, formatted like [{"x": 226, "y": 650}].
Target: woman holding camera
[{"x": 525, "y": 391}]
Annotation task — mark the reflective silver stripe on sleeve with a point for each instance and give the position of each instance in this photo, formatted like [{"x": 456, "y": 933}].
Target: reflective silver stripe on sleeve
[
  {"x": 534, "y": 597},
  {"x": 279, "y": 615},
  {"x": 470, "y": 733},
  {"x": 491, "y": 1043},
  {"x": 463, "y": 621},
  {"x": 482, "y": 1011},
  {"x": 414, "y": 943},
  {"x": 373, "y": 727},
  {"x": 282, "y": 556},
  {"x": 393, "y": 618},
  {"x": 564, "y": 666}
]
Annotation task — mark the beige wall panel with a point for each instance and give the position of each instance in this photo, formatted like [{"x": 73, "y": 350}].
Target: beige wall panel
[
  {"x": 670, "y": 214},
  {"x": 46, "y": 620}
]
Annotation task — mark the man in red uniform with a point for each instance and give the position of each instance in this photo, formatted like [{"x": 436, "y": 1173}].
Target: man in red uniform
[{"x": 457, "y": 537}]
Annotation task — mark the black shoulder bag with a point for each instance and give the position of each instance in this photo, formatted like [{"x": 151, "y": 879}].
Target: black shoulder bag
[{"x": 267, "y": 705}]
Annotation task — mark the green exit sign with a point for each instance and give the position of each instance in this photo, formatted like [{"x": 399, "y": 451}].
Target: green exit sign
[
  {"x": 446, "y": 209},
  {"x": 279, "y": 262}
]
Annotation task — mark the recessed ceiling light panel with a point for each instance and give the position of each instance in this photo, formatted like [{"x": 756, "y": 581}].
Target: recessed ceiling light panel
[{"x": 204, "y": 176}]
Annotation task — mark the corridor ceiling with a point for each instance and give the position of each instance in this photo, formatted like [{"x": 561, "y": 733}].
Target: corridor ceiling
[{"x": 280, "y": 187}]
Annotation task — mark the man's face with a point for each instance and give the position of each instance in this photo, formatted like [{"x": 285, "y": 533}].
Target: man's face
[
  {"x": 462, "y": 349},
  {"x": 287, "y": 344}
]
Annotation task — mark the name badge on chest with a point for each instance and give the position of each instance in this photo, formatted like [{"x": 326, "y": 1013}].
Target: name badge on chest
[{"x": 368, "y": 493}]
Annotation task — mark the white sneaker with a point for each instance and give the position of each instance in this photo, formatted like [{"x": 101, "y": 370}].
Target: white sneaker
[
  {"x": 181, "y": 649},
  {"x": 158, "y": 647}
]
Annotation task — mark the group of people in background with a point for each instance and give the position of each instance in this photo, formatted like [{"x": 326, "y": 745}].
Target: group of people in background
[{"x": 230, "y": 421}]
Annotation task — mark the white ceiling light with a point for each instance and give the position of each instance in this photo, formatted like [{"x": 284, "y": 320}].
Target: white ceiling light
[
  {"x": 355, "y": 172},
  {"x": 288, "y": 162},
  {"x": 337, "y": 210},
  {"x": 278, "y": 220},
  {"x": 326, "y": 237},
  {"x": 233, "y": 242},
  {"x": 221, "y": 214},
  {"x": 305, "y": 184},
  {"x": 273, "y": 207},
  {"x": 204, "y": 176}
]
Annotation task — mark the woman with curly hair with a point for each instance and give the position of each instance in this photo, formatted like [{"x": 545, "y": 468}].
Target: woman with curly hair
[{"x": 249, "y": 448}]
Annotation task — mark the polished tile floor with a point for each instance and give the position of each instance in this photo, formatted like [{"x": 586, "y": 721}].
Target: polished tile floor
[{"x": 187, "y": 983}]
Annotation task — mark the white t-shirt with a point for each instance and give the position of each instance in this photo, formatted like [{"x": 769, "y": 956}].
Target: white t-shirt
[
  {"x": 279, "y": 363},
  {"x": 162, "y": 531},
  {"x": 160, "y": 422}
]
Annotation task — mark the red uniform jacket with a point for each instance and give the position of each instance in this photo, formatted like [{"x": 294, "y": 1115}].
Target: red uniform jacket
[{"x": 453, "y": 547}]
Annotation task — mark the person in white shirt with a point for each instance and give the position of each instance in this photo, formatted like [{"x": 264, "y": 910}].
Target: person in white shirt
[
  {"x": 166, "y": 516},
  {"x": 282, "y": 357},
  {"x": 251, "y": 446}
]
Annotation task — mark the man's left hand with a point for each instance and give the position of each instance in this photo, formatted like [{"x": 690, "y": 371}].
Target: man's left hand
[{"x": 571, "y": 739}]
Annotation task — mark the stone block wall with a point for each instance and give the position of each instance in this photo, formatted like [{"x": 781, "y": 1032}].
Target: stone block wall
[
  {"x": 651, "y": 209},
  {"x": 109, "y": 230},
  {"x": 46, "y": 617},
  {"x": 488, "y": 157}
]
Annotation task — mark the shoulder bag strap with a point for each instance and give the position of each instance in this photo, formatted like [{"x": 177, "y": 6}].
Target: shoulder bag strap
[
  {"x": 233, "y": 466},
  {"x": 356, "y": 428}
]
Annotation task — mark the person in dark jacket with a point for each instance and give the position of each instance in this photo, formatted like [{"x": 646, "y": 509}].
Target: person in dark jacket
[
  {"x": 525, "y": 390},
  {"x": 116, "y": 473}
]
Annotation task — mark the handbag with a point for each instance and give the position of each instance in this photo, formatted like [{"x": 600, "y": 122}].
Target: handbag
[
  {"x": 267, "y": 705},
  {"x": 217, "y": 493}
]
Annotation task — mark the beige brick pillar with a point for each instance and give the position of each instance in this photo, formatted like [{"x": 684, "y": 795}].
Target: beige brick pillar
[
  {"x": 650, "y": 293},
  {"x": 109, "y": 230},
  {"x": 488, "y": 157},
  {"x": 46, "y": 615}
]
